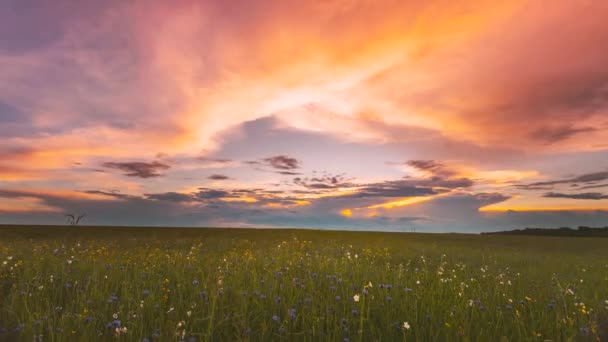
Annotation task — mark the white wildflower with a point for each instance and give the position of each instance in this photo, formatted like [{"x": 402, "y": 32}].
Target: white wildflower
[
  {"x": 406, "y": 326},
  {"x": 356, "y": 298}
]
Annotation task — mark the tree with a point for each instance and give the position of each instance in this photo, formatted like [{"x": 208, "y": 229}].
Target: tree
[{"x": 74, "y": 220}]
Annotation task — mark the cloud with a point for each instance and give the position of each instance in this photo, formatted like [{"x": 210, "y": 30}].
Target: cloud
[
  {"x": 584, "y": 195},
  {"x": 215, "y": 160},
  {"x": 218, "y": 177},
  {"x": 171, "y": 197},
  {"x": 282, "y": 162},
  {"x": 553, "y": 134},
  {"x": 432, "y": 167},
  {"x": 584, "y": 178},
  {"x": 211, "y": 194},
  {"x": 594, "y": 186},
  {"x": 138, "y": 169},
  {"x": 324, "y": 182},
  {"x": 114, "y": 194}
]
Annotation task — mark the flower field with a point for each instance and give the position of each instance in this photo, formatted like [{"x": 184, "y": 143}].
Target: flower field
[{"x": 176, "y": 284}]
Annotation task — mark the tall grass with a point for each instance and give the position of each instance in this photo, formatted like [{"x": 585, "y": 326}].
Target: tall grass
[{"x": 231, "y": 285}]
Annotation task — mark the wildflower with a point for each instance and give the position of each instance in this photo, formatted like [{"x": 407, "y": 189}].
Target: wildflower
[
  {"x": 116, "y": 323},
  {"x": 275, "y": 318},
  {"x": 195, "y": 282},
  {"x": 145, "y": 292},
  {"x": 356, "y": 298},
  {"x": 115, "y": 316},
  {"x": 277, "y": 300},
  {"x": 365, "y": 292},
  {"x": 338, "y": 298},
  {"x": 189, "y": 313},
  {"x": 292, "y": 313},
  {"x": 355, "y": 312},
  {"x": 406, "y": 326}
]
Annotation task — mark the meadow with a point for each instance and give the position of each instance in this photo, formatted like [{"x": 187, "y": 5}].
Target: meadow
[{"x": 179, "y": 284}]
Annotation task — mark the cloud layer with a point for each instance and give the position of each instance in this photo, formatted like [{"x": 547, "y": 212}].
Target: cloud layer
[{"x": 363, "y": 114}]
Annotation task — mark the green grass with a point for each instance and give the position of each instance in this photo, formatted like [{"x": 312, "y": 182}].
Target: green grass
[{"x": 68, "y": 284}]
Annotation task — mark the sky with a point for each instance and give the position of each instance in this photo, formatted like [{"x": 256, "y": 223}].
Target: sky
[{"x": 434, "y": 116}]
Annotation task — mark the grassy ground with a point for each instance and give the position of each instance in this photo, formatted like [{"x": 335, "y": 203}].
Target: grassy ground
[{"x": 137, "y": 284}]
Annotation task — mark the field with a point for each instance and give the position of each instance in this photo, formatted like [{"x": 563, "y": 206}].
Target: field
[{"x": 146, "y": 284}]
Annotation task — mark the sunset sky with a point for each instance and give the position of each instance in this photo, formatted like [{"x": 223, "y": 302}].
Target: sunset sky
[{"x": 462, "y": 116}]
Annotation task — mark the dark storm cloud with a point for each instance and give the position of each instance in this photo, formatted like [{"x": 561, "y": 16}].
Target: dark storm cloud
[
  {"x": 138, "y": 169},
  {"x": 218, "y": 177},
  {"x": 584, "y": 195}
]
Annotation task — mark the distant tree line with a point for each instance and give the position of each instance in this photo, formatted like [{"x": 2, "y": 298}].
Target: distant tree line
[{"x": 562, "y": 231}]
